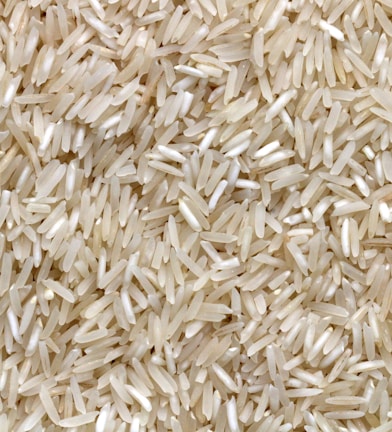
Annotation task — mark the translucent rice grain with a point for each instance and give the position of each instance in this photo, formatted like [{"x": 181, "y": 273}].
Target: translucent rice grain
[
  {"x": 144, "y": 402},
  {"x": 298, "y": 257},
  {"x": 332, "y": 30},
  {"x": 279, "y": 104},
  {"x": 189, "y": 217},
  {"x": 383, "y": 19},
  {"x": 258, "y": 48},
  {"x": 231, "y": 409},
  {"x": 79, "y": 420},
  {"x": 267, "y": 149},
  {"x": 358, "y": 63}
]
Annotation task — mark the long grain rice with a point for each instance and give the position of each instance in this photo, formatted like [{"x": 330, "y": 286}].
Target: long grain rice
[{"x": 195, "y": 211}]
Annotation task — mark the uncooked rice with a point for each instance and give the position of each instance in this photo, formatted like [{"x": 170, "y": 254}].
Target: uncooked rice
[{"x": 194, "y": 215}]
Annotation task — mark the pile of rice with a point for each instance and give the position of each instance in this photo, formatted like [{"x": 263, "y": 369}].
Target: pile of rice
[{"x": 195, "y": 210}]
